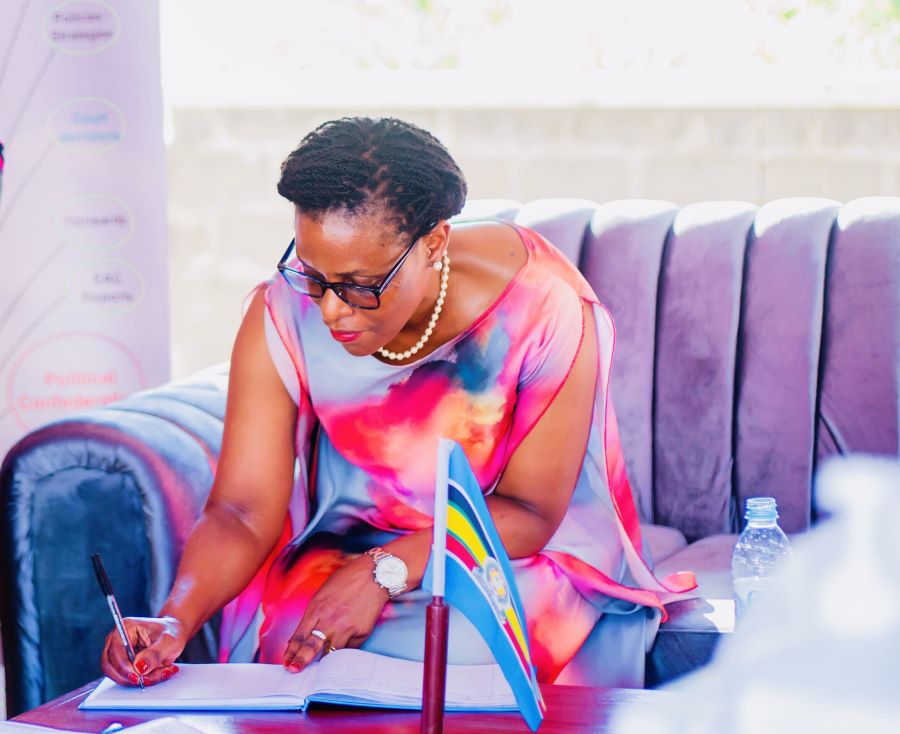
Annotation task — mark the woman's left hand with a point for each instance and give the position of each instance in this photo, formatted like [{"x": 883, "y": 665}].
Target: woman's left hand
[{"x": 345, "y": 609}]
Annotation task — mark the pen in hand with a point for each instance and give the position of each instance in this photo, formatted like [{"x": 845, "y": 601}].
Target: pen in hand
[{"x": 106, "y": 588}]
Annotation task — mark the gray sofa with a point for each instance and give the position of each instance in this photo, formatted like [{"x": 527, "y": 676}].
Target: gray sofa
[{"x": 753, "y": 342}]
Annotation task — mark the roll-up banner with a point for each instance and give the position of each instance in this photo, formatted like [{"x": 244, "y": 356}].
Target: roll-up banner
[{"x": 84, "y": 317}]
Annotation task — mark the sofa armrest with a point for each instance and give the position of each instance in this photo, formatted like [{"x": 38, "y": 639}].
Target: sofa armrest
[{"x": 128, "y": 481}]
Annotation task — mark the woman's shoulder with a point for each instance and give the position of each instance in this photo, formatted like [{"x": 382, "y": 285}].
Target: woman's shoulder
[
  {"x": 490, "y": 249},
  {"x": 511, "y": 270},
  {"x": 486, "y": 257},
  {"x": 493, "y": 254}
]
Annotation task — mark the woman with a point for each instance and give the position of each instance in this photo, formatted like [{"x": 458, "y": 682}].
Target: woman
[{"x": 387, "y": 328}]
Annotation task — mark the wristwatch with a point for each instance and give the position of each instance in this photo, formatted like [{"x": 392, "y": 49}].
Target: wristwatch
[{"x": 390, "y": 572}]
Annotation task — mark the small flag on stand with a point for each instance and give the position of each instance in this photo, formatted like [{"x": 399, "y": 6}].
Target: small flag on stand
[{"x": 471, "y": 570}]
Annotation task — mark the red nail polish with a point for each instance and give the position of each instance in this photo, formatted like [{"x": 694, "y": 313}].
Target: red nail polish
[
  {"x": 175, "y": 669},
  {"x": 142, "y": 666},
  {"x": 294, "y": 667},
  {"x": 133, "y": 678},
  {"x": 166, "y": 674}
]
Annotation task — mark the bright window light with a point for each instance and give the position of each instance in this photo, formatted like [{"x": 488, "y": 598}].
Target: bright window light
[{"x": 508, "y": 52}]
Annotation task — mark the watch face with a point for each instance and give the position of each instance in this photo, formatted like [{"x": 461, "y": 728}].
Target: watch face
[{"x": 391, "y": 572}]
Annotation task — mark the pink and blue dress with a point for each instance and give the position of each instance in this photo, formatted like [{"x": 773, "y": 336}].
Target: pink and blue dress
[{"x": 366, "y": 440}]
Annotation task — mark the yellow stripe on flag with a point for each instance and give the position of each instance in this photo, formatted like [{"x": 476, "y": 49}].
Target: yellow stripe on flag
[
  {"x": 517, "y": 631},
  {"x": 459, "y": 525}
]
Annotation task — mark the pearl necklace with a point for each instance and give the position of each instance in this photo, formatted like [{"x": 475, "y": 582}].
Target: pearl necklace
[{"x": 397, "y": 356}]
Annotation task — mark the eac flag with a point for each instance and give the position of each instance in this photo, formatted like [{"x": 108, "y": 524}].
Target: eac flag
[{"x": 478, "y": 579}]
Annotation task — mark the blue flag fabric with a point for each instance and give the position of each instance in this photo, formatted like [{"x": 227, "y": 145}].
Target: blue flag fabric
[{"x": 480, "y": 584}]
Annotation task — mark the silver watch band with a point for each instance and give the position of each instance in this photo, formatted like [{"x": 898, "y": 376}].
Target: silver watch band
[{"x": 378, "y": 553}]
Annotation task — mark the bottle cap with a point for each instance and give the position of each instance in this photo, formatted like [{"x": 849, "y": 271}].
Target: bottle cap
[{"x": 761, "y": 509}]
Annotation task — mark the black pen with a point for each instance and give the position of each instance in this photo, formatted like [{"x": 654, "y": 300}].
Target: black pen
[{"x": 106, "y": 588}]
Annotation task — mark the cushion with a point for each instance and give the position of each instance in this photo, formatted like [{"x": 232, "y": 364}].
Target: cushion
[
  {"x": 697, "y": 327},
  {"x": 621, "y": 260},
  {"x": 784, "y": 293},
  {"x": 562, "y": 221},
  {"x": 662, "y": 541},
  {"x": 712, "y": 607},
  {"x": 489, "y": 209},
  {"x": 860, "y": 387}
]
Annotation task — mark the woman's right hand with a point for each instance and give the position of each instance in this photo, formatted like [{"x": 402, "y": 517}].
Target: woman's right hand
[{"x": 157, "y": 642}]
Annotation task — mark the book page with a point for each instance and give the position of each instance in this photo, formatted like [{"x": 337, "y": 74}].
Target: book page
[
  {"x": 354, "y": 676},
  {"x": 235, "y": 685},
  {"x": 367, "y": 675},
  {"x": 386, "y": 680},
  {"x": 478, "y": 686}
]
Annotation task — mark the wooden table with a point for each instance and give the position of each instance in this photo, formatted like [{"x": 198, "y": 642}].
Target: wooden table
[{"x": 570, "y": 709}]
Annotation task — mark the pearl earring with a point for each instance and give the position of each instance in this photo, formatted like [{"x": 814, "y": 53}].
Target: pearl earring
[{"x": 437, "y": 265}]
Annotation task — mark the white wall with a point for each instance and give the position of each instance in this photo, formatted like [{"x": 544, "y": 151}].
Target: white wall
[{"x": 229, "y": 226}]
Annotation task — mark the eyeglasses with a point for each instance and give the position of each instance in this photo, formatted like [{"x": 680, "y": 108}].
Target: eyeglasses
[{"x": 367, "y": 297}]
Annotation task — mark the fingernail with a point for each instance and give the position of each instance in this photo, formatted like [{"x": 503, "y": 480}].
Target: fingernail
[
  {"x": 294, "y": 667},
  {"x": 175, "y": 668},
  {"x": 133, "y": 678},
  {"x": 142, "y": 666},
  {"x": 167, "y": 673}
]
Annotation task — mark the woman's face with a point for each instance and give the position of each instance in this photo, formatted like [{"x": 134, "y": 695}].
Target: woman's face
[{"x": 362, "y": 249}]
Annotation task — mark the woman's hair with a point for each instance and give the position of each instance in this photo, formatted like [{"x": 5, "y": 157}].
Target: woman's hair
[{"x": 369, "y": 165}]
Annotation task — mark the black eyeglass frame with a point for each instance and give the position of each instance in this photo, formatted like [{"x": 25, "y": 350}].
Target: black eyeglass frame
[{"x": 339, "y": 287}]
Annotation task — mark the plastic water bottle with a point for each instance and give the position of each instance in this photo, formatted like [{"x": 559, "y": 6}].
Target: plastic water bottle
[{"x": 759, "y": 550}]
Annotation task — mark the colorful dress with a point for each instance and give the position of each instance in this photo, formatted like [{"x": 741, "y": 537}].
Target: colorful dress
[{"x": 367, "y": 438}]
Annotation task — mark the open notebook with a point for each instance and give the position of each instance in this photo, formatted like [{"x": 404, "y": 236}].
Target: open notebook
[{"x": 350, "y": 677}]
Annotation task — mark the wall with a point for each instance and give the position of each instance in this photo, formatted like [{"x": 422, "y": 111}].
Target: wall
[{"x": 229, "y": 226}]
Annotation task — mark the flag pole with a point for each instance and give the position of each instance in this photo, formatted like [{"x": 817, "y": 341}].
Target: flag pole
[
  {"x": 434, "y": 683},
  {"x": 437, "y": 613}
]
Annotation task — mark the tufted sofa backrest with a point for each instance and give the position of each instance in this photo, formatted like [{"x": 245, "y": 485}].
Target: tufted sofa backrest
[{"x": 752, "y": 342}]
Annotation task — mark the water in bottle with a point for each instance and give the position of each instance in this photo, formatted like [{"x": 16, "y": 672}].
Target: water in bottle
[{"x": 759, "y": 550}]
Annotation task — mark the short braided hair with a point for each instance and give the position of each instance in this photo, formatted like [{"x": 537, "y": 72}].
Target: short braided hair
[{"x": 365, "y": 164}]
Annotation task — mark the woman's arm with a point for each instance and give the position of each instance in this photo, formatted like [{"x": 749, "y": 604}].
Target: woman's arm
[
  {"x": 245, "y": 511},
  {"x": 244, "y": 514},
  {"x": 527, "y": 506}
]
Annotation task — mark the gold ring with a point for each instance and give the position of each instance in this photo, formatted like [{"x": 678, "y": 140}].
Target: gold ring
[
  {"x": 321, "y": 635},
  {"x": 331, "y": 648}
]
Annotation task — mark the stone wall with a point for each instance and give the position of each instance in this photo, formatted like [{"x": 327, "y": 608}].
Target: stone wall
[{"x": 229, "y": 227}]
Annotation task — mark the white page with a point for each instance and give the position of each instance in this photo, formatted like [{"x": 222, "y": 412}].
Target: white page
[
  {"x": 478, "y": 685},
  {"x": 391, "y": 680},
  {"x": 211, "y": 685},
  {"x": 224, "y": 682},
  {"x": 356, "y": 674},
  {"x": 365, "y": 674}
]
